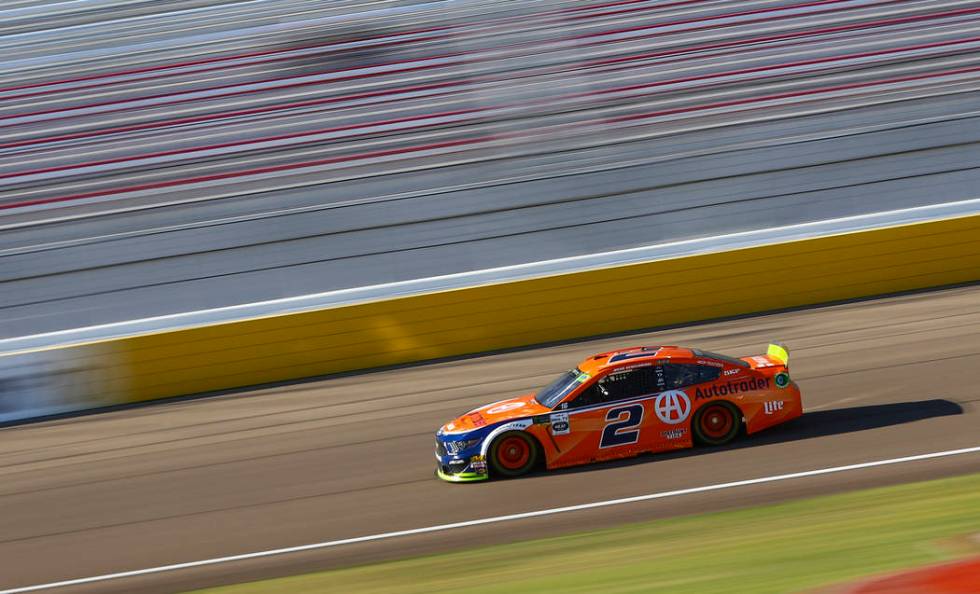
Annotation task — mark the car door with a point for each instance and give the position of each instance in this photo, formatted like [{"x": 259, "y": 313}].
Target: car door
[
  {"x": 674, "y": 406},
  {"x": 608, "y": 419}
]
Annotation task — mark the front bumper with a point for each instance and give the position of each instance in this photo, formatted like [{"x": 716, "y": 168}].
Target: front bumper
[
  {"x": 463, "y": 477},
  {"x": 462, "y": 470}
]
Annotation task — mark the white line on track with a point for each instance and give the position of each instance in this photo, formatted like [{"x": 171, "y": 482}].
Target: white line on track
[{"x": 491, "y": 520}]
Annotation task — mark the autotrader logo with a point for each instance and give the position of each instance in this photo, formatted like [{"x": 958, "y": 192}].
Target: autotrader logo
[{"x": 672, "y": 407}]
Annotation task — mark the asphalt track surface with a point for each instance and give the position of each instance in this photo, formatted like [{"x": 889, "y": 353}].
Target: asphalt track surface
[{"x": 352, "y": 456}]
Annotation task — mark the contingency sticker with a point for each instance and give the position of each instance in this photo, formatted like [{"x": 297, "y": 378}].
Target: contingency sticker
[
  {"x": 560, "y": 424},
  {"x": 672, "y": 407}
]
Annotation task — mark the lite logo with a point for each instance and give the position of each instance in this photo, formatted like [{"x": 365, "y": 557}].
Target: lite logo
[
  {"x": 672, "y": 407},
  {"x": 773, "y": 406}
]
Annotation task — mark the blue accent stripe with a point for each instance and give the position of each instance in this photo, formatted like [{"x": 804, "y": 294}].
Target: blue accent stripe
[{"x": 636, "y": 355}]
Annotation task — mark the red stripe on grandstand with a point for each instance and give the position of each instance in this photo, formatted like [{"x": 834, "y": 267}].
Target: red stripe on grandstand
[
  {"x": 230, "y": 114},
  {"x": 470, "y": 60},
  {"x": 792, "y": 94},
  {"x": 796, "y": 6},
  {"x": 767, "y": 68},
  {"x": 211, "y": 147},
  {"x": 462, "y": 142},
  {"x": 257, "y": 171},
  {"x": 777, "y": 37},
  {"x": 199, "y": 71},
  {"x": 279, "y": 107},
  {"x": 244, "y": 92},
  {"x": 259, "y": 54},
  {"x": 203, "y": 61},
  {"x": 773, "y": 67},
  {"x": 199, "y": 62},
  {"x": 273, "y": 108},
  {"x": 625, "y": 2},
  {"x": 710, "y": 25}
]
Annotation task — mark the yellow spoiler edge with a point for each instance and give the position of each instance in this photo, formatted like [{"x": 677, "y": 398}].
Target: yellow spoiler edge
[{"x": 779, "y": 351}]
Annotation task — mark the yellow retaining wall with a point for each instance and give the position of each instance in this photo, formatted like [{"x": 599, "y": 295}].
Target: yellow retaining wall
[{"x": 525, "y": 312}]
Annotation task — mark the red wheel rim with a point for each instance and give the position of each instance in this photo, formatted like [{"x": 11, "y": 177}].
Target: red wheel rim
[
  {"x": 717, "y": 421},
  {"x": 513, "y": 453}
]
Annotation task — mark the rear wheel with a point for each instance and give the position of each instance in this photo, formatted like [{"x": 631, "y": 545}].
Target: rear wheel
[
  {"x": 717, "y": 423},
  {"x": 512, "y": 454}
]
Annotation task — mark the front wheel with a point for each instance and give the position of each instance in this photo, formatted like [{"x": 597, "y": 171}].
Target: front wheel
[
  {"x": 717, "y": 423},
  {"x": 512, "y": 454}
]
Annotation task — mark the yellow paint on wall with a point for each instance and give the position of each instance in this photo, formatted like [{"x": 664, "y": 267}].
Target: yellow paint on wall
[{"x": 559, "y": 307}]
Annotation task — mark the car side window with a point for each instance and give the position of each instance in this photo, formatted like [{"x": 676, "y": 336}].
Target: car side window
[
  {"x": 680, "y": 375},
  {"x": 708, "y": 374},
  {"x": 620, "y": 385},
  {"x": 591, "y": 395}
]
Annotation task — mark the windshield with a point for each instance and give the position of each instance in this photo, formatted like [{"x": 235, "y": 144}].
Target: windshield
[{"x": 552, "y": 394}]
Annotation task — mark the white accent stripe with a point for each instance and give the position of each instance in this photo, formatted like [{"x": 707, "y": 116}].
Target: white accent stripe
[
  {"x": 491, "y": 520},
  {"x": 502, "y": 274}
]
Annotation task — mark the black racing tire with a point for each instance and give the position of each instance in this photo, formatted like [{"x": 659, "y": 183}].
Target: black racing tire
[
  {"x": 716, "y": 423},
  {"x": 512, "y": 453}
]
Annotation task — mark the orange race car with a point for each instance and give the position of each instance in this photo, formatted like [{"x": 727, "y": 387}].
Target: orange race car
[{"x": 620, "y": 404}]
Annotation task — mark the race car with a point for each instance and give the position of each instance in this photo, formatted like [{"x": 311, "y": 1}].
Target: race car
[{"x": 619, "y": 404}]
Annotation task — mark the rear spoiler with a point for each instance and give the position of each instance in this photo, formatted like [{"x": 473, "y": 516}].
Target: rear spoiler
[{"x": 779, "y": 352}]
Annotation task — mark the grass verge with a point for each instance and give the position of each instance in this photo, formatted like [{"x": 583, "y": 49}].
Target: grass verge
[{"x": 785, "y": 547}]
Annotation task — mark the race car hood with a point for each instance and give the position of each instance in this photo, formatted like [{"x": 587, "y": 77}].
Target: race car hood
[{"x": 491, "y": 414}]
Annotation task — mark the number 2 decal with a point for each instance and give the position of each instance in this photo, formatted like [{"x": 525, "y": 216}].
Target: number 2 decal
[{"x": 622, "y": 430}]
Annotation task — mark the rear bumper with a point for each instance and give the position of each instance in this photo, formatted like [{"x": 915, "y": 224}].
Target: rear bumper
[{"x": 774, "y": 408}]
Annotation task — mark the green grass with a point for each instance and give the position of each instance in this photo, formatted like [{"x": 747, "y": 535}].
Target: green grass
[{"x": 774, "y": 548}]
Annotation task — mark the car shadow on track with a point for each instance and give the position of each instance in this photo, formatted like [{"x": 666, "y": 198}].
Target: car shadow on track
[{"x": 822, "y": 423}]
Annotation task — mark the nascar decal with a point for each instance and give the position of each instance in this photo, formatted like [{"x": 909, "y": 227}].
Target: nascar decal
[
  {"x": 782, "y": 379},
  {"x": 732, "y": 387},
  {"x": 672, "y": 407}
]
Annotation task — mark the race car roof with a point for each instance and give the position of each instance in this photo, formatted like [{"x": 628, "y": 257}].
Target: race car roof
[{"x": 632, "y": 354}]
